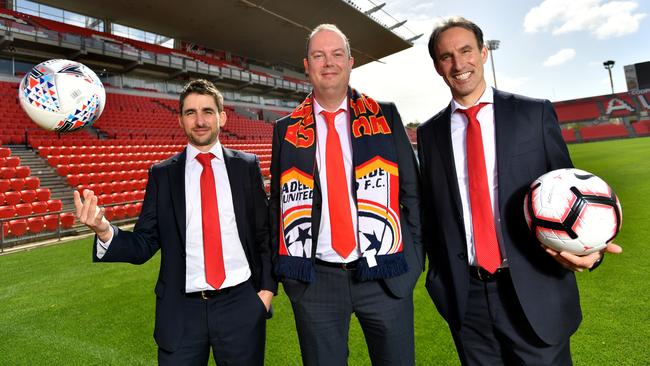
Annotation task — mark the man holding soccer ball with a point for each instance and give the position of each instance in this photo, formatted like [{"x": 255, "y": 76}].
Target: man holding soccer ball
[{"x": 506, "y": 298}]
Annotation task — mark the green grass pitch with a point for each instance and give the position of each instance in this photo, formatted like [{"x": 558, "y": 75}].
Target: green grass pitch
[{"x": 58, "y": 308}]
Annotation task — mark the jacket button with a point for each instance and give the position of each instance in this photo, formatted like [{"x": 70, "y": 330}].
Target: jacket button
[{"x": 462, "y": 256}]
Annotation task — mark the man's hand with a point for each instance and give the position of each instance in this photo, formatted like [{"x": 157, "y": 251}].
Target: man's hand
[
  {"x": 578, "y": 263},
  {"x": 89, "y": 214},
  {"x": 266, "y": 296}
]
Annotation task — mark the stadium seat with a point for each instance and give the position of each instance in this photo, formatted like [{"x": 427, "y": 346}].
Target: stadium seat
[
  {"x": 67, "y": 220},
  {"x": 5, "y": 152},
  {"x": 51, "y": 222},
  {"x": 35, "y": 224},
  {"x": 131, "y": 210},
  {"x": 119, "y": 212},
  {"x": 7, "y": 172},
  {"x": 32, "y": 182},
  {"x": 17, "y": 184},
  {"x": 5, "y": 185},
  {"x": 18, "y": 227},
  {"x": 54, "y": 205},
  {"x": 5, "y": 229},
  {"x": 22, "y": 171},
  {"x": 23, "y": 209},
  {"x": 43, "y": 194},
  {"x": 12, "y": 198},
  {"x": 7, "y": 212},
  {"x": 2, "y": 199},
  {"x": 28, "y": 195},
  {"x": 39, "y": 207},
  {"x": 12, "y": 161},
  {"x": 108, "y": 213}
]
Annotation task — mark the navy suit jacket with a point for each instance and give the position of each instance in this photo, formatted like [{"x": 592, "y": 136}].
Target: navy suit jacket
[
  {"x": 398, "y": 286},
  {"x": 161, "y": 225},
  {"x": 528, "y": 144}
]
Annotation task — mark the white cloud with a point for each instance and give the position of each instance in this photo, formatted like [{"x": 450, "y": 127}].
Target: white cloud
[
  {"x": 601, "y": 19},
  {"x": 560, "y": 57}
]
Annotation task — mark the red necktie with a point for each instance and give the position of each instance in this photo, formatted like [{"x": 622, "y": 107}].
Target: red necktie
[
  {"x": 215, "y": 272},
  {"x": 485, "y": 237},
  {"x": 343, "y": 241}
]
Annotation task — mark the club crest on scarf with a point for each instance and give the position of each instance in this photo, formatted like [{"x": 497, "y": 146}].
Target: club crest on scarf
[{"x": 297, "y": 193}]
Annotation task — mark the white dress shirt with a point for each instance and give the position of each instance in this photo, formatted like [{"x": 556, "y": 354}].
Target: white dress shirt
[
  {"x": 235, "y": 262},
  {"x": 458, "y": 136},
  {"x": 324, "y": 250}
]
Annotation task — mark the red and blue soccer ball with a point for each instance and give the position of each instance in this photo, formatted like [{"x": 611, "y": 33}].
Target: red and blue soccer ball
[
  {"x": 62, "y": 95},
  {"x": 573, "y": 210}
]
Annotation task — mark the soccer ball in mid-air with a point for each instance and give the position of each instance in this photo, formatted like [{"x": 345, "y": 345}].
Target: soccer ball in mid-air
[
  {"x": 572, "y": 210},
  {"x": 62, "y": 95}
]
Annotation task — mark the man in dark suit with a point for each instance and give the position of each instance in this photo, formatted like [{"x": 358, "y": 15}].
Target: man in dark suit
[
  {"x": 507, "y": 299},
  {"x": 345, "y": 214},
  {"x": 215, "y": 283}
]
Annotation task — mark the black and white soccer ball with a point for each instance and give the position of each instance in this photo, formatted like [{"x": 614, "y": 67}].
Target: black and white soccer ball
[{"x": 573, "y": 210}]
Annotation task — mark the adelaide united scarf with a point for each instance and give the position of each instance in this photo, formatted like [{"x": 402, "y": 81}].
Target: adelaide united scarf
[{"x": 376, "y": 175}]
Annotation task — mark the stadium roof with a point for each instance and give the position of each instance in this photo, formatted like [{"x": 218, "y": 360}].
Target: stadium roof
[{"x": 267, "y": 31}]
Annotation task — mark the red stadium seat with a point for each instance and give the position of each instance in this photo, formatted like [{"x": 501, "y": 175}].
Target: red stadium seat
[
  {"x": 22, "y": 171},
  {"x": 12, "y": 198},
  {"x": 119, "y": 212},
  {"x": 108, "y": 213},
  {"x": 105, "y": 199},
  {"x": 131, "y": 210},
  {"x": 23, "y": 209},
  {"x": 54, "y": 205},
  {"x": 18, "y": 227},
  {"x": 7, "y": 172},
  {"x": 51, "y": 222},
  {"x": 5, "y": 185},
  {"x": 62, "y": 169},
  {"x": 43, "y": 194},
  {"x": 67, "y": 220},
  {"x": 32, "y": 182},
  {"x": 2, "y": 199},
  {"x": 17, "y": 184},
  {"x": 39, "y": 207},
  {"x": 28, "y": 195},
  {"x": 73, "y": 179},
  {"x": 5, "y": 228},
  {"x": 5, "y": 152},
  {"x": 36, "y": 224},
  {"x": 12, "y": 161},
  {"x": 7, "y": 212}
]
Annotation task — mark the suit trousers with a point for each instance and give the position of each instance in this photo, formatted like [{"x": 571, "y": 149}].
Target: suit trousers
[
  {"x": 495, "y": 330},
  {"x": 233, "y": 323},
  {"x": 323, "y": 316}
]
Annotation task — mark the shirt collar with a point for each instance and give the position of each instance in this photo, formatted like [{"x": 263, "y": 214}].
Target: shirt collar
[
  {"x": 487, "y": 97},
  {"x": 192, "y": 151},
  {"x": 318, "y": 108}
]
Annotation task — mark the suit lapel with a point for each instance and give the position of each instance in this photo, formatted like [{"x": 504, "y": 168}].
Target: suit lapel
[
  {"x": 443, "y": 143},
  {"x": 236, "y": 174},
  {"x": 506, "y": 132},
  {"x": 177, "y": 185}
]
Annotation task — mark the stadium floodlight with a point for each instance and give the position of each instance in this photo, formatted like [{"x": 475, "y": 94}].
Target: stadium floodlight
[
  {"x": 493, "y": 44},
  {"x": 608, "y": 65}
]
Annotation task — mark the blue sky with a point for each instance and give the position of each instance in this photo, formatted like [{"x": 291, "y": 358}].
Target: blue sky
[{"x": 551, "y": 49}]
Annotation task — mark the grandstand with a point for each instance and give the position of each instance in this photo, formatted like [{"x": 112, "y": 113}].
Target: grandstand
[
  {"x": 605, "y": 117},
  {"x": 144, "y": 52}
]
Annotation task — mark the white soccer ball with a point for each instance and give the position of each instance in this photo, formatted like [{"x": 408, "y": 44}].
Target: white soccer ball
[
  {"x": 62, "y": 95},
  {"x": 573, "y": 210}
]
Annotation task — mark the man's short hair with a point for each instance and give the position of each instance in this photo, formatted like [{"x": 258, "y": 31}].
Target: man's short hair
[
  {"x": 203, "y": 87},
  {"x": 331, "y": 28},
  {"x": 451, "y": 23}
]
